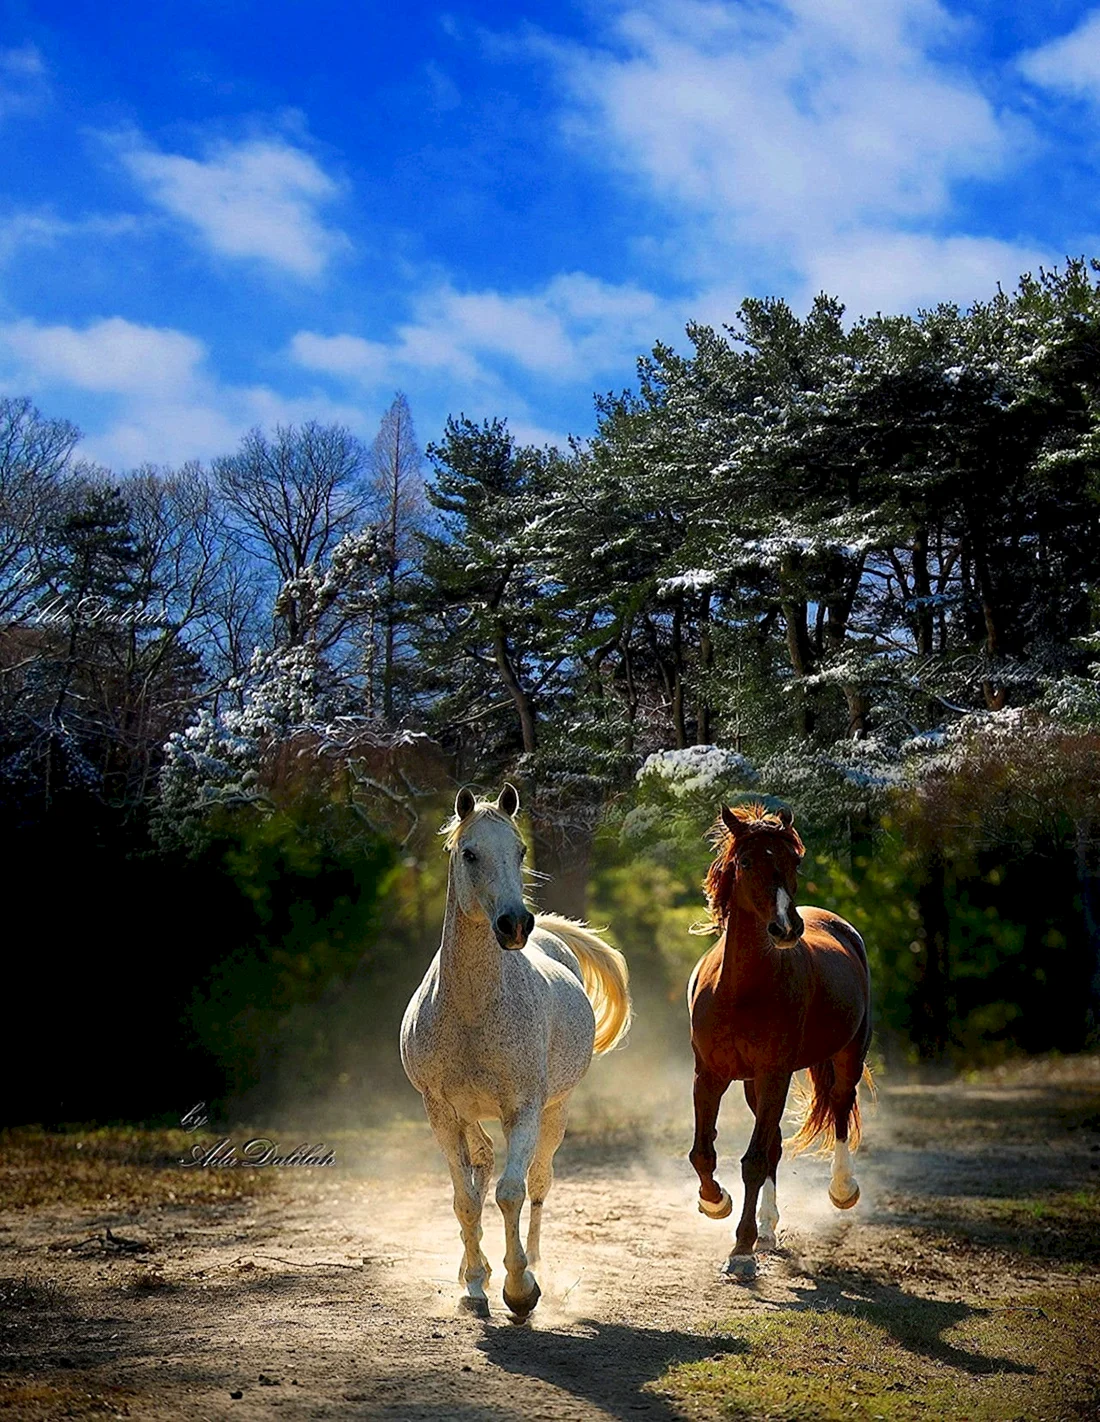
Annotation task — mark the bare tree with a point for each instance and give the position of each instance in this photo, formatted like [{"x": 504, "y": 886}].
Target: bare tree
[
  {"x": 35, "y": 455},
  {"x": 196, "y": 579},
  {"x": 292, "y": 497},
  {"x": 397, "y": 475}
]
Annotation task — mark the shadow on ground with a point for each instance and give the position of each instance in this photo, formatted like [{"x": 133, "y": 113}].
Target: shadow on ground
[
  {"x": 606, "y": 1366},
  {"x": 915, "y": 1323}
]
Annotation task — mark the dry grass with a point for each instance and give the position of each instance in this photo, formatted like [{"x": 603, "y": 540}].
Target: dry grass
[
  {"x": 903, "y": 1358},
  {"x": 1062, "y": 1225},
  {"x": 114, "y": 1170},
  {"x": 37, "y": 1401}
]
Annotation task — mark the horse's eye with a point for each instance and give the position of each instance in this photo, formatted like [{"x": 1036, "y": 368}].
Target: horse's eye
[{"x": 469, "y": 856}]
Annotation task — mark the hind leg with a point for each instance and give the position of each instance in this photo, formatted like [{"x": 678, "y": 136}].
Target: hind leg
[
  {"x": 541, "y": 1174},
  {"x": 767, "y": 1211},
  {"x": 848, "y": 1065}
]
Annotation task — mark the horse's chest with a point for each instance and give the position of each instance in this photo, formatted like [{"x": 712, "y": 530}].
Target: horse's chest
[
  {"x": 740, "y": 1037},
  {"x": 484, "y": 1064}
]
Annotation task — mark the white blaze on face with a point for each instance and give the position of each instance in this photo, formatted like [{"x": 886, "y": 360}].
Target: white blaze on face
[{"x": 783, "y": 910}]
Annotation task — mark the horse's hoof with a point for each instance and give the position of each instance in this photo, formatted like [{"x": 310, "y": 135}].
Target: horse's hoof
[
  {"x": 479, "y": 1308},
  {"x": 718, "y": 1210},
  {"x": 766, "y": 1241},
  {"x": 740, "y": 1268},
  {"x": 844, "y": 1204},
  {"x": 521, "y": 1307}
]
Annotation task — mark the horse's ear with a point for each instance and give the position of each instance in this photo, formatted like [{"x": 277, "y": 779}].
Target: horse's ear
[
  {"x": 508, "y": 800},
  {"x": 786, "y": 816},
  {"x": 464, "y": 802},
  {"x": 730, "y": 820}
]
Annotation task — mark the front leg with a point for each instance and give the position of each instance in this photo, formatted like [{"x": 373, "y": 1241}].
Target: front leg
[
  {"x": 771, "y": 1098},
  {"x": 709, "y": 1090},
  {"x": 767, "y": 1216},
  {"x": 521, "y": 1292},
  {"x": 450, "y": 1132}
]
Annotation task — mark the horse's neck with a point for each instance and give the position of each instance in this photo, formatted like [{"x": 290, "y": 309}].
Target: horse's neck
[
  {"x": 469, "y": 959},
  {"x": 748, "y": 954}
]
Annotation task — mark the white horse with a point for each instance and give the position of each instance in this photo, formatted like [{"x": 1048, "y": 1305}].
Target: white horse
[{"x": 502, "y": 1028}]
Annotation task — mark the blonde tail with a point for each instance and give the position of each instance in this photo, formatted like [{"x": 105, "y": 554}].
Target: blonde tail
[{"x": 605, "y": 976}]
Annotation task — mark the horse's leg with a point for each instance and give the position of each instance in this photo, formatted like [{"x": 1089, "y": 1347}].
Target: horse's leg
[
  {"x": 767, "y": 1215},
  {"x": 541, "y": 1175},
  {"x": 771, "y": 1097},
  {"x": 481, "y": 1157},
  {"x": 451, "y": 1135},
  {"x": 480, "y": 1148},
  {"x": 708, "y": 1092},
  {"x": 848, "y": 1068},
  {"x": 521, "y": 1292}
]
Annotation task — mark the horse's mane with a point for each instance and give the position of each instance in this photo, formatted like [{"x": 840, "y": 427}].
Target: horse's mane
[
  {"x": 722, "y": 874},
  {"x": 483, "y": 810}
]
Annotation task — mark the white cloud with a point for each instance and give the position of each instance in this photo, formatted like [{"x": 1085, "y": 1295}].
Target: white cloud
[
  {"x": 530, "y": 432},
  {"x": 44, "y": 229},
  {"x": 347, "y": 357},
  {"x": 894, "y": 271},
  {"x": 109, "y": 357},
  {"x": 24, "y": 82},
  {"x": 254, "y": 199},
  {"x": 574, "y": 328},
  {"x": 773, "y": 135},
  {"x": 163, "y": 404},
  {"x": 1071, "y": 64}
]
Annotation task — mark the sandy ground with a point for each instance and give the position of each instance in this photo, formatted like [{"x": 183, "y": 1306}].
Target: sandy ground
[{"x": 333, "y": 1295}]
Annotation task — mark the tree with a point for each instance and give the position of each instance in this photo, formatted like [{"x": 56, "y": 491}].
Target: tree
[
  {"x": 397, "y": 473},
  {"x": 35, "y": 455},
  {"x": 292, "y": 498},
  {"x": 496, "y": 662}
]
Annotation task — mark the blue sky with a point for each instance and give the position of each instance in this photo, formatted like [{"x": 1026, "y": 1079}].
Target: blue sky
[{"x": 221, "y": 214}]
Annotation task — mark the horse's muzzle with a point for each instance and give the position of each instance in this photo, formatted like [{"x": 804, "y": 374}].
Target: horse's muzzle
[
  {"x": 512, "y": 930},
  {"x": 787, "y": 937}
]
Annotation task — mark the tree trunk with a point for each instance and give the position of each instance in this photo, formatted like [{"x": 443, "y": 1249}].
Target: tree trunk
[
  {"x": 922, "y": 590},
  {"x": 678, "y": 724},
  {"x": 995, "y": 695},
  {"x": 845, "y": 582},
  {"x": 564, "y": 855},
  {"x": 706, "y": 661},
  {"x": 1088, "y": 881},
  {"x": 932, "y": 999},
  {"x": 798, "y": 638},
  {"x": 859, "y": 707},
  {"x": 519, "y": 697}
]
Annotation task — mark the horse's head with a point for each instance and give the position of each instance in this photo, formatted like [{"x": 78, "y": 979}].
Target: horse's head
[
  {"x": 756, "y": 867},
  {"x": 487, "y": 856}
]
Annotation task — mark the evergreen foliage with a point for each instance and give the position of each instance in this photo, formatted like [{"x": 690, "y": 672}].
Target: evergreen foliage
[{"x": 849, "y": 563}]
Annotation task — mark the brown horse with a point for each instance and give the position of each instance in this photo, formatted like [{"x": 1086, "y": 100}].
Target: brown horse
[{"x": 779, "y": 991}]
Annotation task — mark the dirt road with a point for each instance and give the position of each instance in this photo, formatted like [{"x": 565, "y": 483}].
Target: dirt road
[{"x": 331, "y": 1294}]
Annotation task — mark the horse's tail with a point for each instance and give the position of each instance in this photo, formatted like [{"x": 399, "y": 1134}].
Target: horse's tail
[
  {"x": 604, "y": 974},
  {"x": 817, "y": 1112}
]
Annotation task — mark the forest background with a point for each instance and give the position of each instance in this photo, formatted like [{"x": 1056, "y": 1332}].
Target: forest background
[{"x": 849, "y": 566}]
